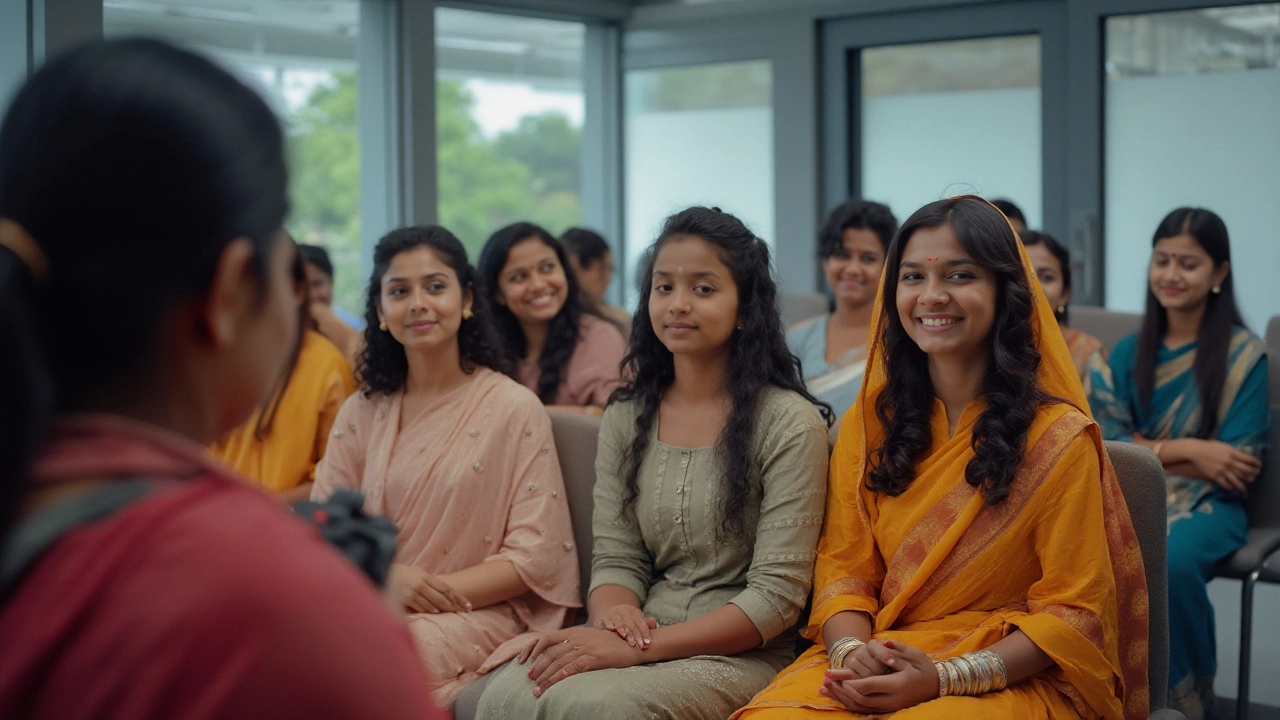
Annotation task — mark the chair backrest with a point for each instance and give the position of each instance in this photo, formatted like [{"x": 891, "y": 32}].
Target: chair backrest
[
  {"x": 576, "y": 437},
  {"x": 1264, "y": 497},
  {"x": 1109, "y": 326},
  {"x": 1142, "y": 481},
  {"x": 801, "y": 306}
]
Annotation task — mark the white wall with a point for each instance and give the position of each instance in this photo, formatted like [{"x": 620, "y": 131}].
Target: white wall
[
  {"x": 1205, "y": 140},
  {"x": 721, "y": 158},
  {"x": 927, "y": 146}
]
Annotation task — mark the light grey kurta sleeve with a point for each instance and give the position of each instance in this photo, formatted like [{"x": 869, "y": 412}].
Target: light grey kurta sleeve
[
  {"x": 618, "y": 554},
  {"x": 793, "y": 491}
]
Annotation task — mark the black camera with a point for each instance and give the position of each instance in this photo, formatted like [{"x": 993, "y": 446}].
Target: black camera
[{"x": 367, "y": 540}]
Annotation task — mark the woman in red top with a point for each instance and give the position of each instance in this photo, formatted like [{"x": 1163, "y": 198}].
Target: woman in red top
[{"x": 145, "y": 310}]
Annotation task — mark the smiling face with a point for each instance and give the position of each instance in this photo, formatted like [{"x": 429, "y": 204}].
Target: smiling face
[
  {"x": 1182, "y": 274},
  {"x": 421, "y": 300},
  {"x": 1049, "y": 271},
  {"x": 853, "y": 271},
  {"x": 693, "y": 300},
  {"x": 945, "y": 300},
  {"x": 532, "y": 283}
]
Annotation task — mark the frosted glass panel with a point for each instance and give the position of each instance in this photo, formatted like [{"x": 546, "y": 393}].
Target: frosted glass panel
[
  {"x": 940, "y": 119},
  {"x": 1193, "y": 118},
  {"x": 699, "y": 135}
]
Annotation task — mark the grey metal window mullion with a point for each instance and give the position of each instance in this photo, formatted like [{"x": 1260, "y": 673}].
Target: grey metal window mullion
[
  {"x": 397, "y": 120},
  {"x": 602, "y": 171}
]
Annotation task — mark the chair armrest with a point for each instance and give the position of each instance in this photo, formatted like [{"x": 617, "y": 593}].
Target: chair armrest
[
  {"x": 1271, "y": 568},
  {"x": 1261, "y": 542}
]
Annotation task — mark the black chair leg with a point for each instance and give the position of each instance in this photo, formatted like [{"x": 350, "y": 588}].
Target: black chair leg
[{"x": 1246, "y": 643}]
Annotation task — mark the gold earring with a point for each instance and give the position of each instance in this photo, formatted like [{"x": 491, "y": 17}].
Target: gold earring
[
  {"x": 382, "y": 326},
  {"x": 1217, "y": 289},
  {"x": 466, "y": 314},
  {"x": 1062, "y": 309}
]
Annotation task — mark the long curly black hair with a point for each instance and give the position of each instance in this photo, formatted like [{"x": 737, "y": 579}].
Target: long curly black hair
[
  {"x": 1010, "y": 386},
  {"x": 759, "y": 357},
  {"x": 383, "y": 366},
  {"x": 562, "y": 336}
]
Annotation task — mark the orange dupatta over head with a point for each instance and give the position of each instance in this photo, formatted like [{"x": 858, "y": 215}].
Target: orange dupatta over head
[{"x": 932, "y": 578}]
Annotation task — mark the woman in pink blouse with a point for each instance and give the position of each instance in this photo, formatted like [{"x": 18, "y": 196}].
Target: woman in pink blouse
[{"x": 561, "y": 350}]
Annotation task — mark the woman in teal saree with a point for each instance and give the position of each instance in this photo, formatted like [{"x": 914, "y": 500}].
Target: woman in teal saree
[{"x": 1192, "y": 387}]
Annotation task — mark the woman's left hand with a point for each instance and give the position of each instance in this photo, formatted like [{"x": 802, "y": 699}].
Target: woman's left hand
[
  {"x": 913, "y": 680},
  {"x": 564, "y": 653}
]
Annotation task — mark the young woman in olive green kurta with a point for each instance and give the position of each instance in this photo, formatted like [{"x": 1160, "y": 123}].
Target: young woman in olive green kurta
[{"x": 724, "y": 600}]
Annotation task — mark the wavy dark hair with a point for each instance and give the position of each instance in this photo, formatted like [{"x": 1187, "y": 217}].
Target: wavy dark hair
[
  {"x": 855, "y": 214},
  {"x": 383, "y": 366},
  {"x": 759, "y": 357},
  {"x": 1055, "y": 248},
  {"x": 1009, "y": 385},
  {"x": 1221, "y": 318},
  {"x": 562, "y": 336}
]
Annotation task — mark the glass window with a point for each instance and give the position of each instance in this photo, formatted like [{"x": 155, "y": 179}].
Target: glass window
[
  {"x": 508, "y": 122},
  {"x": 301, "y": 55},
  {"x": 700, "y": 135},
  {"x": 1193, "y": 118},
  {"x": 945, "y": 118}
]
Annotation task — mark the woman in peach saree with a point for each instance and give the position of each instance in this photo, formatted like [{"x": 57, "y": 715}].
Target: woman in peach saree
[
  {"x": 461, "y": 458},
  {"x": 1029, "y": 572}
]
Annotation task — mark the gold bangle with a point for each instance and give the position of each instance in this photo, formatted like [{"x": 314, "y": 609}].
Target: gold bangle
[
  {"x": 1000, "y": 674},
  {"x": 841, "y": 649},
  {"x": 1157, "y": 448},
  {"x": 944, "y": 686},
  {"x": 966, "y": 679}
]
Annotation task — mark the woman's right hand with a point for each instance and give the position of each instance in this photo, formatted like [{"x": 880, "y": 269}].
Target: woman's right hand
[
  {"x": 1225, "y": 466},
  {"x": 869, "y": 660},
  {"x": 420, "y": 591},
  {"x": 630, "y": 624}
]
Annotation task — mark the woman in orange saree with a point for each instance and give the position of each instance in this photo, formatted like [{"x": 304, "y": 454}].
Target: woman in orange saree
[{"x": 971, "y": 508}]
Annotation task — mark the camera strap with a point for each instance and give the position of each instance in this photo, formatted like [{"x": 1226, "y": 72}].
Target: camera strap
[{"x": 33, "y": 536}]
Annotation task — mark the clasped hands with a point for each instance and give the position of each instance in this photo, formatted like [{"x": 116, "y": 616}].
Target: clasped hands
[
  {"x": 882, "y": 677},
  {"x": 417, "y": 590},
  {"x": 618, "y": 639}
]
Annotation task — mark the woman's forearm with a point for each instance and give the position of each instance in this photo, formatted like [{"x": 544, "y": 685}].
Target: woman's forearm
[
  {"x": 1022, "y": 657},
  {"x": 850, "y": 623},
  {"x": 726, "y": 631},
  {"x": 296, "y": 494},
  {"x": 488, "y": 583}
]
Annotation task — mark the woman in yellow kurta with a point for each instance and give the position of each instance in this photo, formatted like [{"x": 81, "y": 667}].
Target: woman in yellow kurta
[
  {"x": 971, "y": 508},
  {"x": 280, "y": 445}
]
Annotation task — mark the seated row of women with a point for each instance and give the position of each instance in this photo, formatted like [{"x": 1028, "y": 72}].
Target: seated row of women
[
  {"x": 535, "y": 299},
  {"x": 712, "y": 488}
]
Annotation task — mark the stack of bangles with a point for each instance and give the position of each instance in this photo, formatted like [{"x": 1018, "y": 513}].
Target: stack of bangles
[
  {"x": 975, "y": 673},
  {"x": 840, "y": 650}
]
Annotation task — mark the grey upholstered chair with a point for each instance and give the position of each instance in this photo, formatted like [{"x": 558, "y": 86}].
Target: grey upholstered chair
[
  {"x": 575, "y": 437},
  {"x": 1108, "y": 326},
  {"x": 1142, "y": 482},
  {"x": 801, "y": 306}
]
